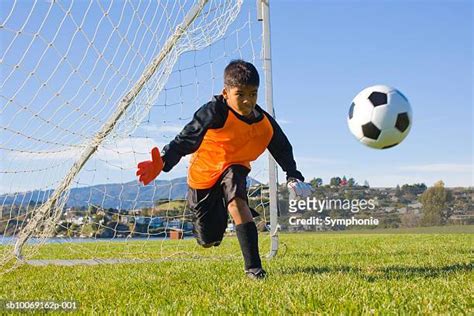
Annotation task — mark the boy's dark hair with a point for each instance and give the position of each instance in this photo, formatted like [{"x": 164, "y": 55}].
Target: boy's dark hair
[{"x": 241, "y": 73}]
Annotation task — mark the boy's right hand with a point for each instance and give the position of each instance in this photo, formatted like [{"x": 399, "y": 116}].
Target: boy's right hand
[{"x": 150, "y": 169}]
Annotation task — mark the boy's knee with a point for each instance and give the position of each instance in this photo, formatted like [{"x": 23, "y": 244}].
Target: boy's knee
[
  {"x": 237, "y": 203},
  {"x": 240, "y": 211}
]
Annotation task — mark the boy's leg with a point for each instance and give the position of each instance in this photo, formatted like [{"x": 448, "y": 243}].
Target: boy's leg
[
  {"x": 246, "y": 233},
  {"x": 234, "y": 186},
  {"x": 209, "y": 216}
]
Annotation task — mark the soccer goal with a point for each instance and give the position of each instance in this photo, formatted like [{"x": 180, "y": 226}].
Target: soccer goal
[{"x": 87, "y": 89}]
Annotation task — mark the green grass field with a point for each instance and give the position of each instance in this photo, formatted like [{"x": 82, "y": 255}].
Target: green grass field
[{"x": 315, "y": 273}]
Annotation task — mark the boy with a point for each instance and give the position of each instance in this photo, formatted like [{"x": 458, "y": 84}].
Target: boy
[{"x": 225, "y": 135}]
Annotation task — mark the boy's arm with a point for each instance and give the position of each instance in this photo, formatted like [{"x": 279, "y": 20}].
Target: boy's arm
[
  {"x": 190, "y": 138},
  {"x": 281, "y": 150}
]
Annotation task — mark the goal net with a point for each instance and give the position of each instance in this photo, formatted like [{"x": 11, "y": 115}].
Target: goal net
[{"x": 87, "y": 88}]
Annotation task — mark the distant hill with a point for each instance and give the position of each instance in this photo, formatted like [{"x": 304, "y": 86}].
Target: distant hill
[{"x": 128, "y": 195}]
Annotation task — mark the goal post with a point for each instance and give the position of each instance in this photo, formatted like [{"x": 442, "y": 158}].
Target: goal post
[
  {"x": 87, "y": 89},
  {"x": 263, "y": 8}
]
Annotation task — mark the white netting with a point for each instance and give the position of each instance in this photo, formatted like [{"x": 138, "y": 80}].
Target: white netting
[{"x": 87, "y": 89}]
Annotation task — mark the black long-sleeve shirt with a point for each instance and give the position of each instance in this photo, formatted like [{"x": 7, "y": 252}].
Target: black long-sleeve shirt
[{"x": 213, "y": 115}]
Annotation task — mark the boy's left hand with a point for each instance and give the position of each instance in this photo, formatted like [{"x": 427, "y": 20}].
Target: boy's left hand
[
  {"x": 298, "y": 189},
  {"x": 150, "y": 169}
]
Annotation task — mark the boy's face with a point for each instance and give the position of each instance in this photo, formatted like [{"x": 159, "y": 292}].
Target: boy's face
[{"x": 241, "y": 98}]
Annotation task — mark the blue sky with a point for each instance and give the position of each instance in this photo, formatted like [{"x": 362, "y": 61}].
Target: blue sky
[{"x": 324, "y": 53}]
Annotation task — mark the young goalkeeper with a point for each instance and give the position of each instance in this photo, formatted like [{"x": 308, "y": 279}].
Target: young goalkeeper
[{"x": 225, "y": 135}]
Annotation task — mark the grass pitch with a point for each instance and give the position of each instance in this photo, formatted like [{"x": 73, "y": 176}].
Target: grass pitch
[{"x": 315, "y": 273}]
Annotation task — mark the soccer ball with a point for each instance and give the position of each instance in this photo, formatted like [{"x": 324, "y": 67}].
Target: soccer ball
[{"x": 380, "y": 117}]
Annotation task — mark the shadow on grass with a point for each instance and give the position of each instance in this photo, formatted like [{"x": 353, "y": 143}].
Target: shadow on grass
[{"x": 386, "y": 273}]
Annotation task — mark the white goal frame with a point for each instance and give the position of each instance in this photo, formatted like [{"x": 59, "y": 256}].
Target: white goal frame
[{"x": 47, "y": 215}]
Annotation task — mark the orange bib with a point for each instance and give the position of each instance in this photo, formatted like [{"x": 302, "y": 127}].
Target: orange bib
[{"x": 236, "y": 142}]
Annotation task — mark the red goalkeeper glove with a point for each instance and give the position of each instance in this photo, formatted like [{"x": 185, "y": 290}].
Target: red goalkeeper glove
[{"x": 150, "y": 169}]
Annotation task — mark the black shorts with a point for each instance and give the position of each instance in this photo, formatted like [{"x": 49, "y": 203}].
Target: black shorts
[{"x": 209, "y": 206}]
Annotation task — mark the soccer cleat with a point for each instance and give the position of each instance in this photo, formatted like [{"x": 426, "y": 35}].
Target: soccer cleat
[
  {"x": 209, "y": 245},
  {"x": 256, "y": 273}
]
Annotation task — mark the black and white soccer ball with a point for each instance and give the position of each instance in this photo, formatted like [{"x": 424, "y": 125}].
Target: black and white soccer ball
[{"x": 380, "y": 117}]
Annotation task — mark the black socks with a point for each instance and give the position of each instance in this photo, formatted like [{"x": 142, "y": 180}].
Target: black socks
[{"x": 248, "y": 240}]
